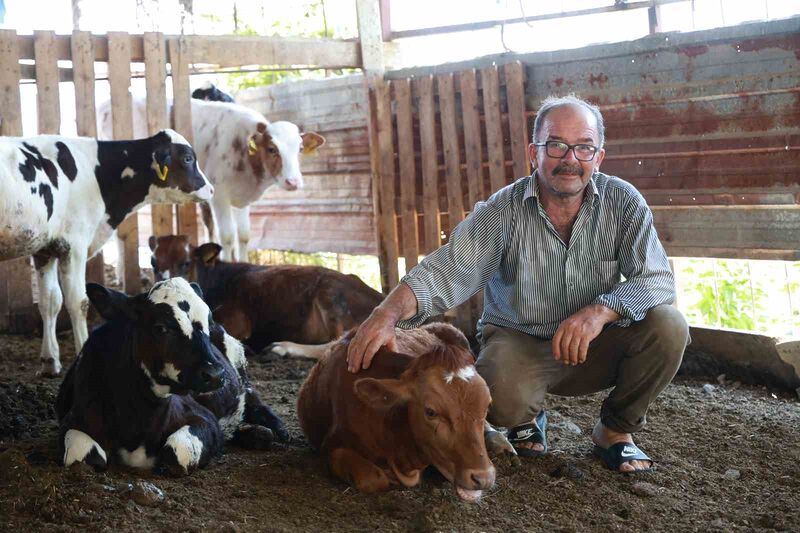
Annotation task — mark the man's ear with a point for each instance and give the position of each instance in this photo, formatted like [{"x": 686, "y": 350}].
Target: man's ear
[
  {"x": 208, "y": 253},
  {"x": 111, "y": 305},
  {"x": 311, "y": 141},
  {"x": 382, "y": 394}
]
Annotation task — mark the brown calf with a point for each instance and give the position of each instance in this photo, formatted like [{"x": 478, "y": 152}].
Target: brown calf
[
  {"x": 260, "y": 305},
  {"x": 424, "y": 405}
]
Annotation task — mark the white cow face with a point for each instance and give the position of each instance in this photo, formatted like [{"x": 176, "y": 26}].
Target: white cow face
[{"x": 279, "y": 146}]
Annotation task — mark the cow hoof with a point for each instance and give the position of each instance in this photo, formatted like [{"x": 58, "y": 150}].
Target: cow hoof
[
  {"x": 49, "y": 369},
  {"x": 169, "y": 465},
  {"x": 276, "y": 350},
  {"x": 254, "y": 437},
  {"x": 497, "y": 444}
]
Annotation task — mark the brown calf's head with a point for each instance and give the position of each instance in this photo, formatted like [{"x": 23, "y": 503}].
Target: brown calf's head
[
  {"x": 447, "y": 402},
  {"x": 276, "y": 147},
  {"x": 177, "y": 174},
  {"x": 171, "y": 257},
  {"x": 170, "y": 335}
]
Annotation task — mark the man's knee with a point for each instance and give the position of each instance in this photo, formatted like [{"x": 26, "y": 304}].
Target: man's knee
[{"x": 670, "y": 331}]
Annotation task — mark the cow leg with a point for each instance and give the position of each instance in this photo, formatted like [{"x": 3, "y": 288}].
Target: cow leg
[
  {"x": 50, "y": 301},
  {"x": 351, "y": 467},
  {"x": 208, "y": 220},
  {"x": 226, "y": 227},
  {"x": 189, "y": 448},
  {"x": 496, "y": 442},
  {"x": 303, "y": 351},
  {"x": 255, "y": 412},
  {"x": 72, "y": 270},
  {"x": 242, "y": 217},
  {"x": 81, "y": 448}
]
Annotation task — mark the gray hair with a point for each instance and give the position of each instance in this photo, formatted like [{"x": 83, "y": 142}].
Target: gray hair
[{"x": 552, "y": 102}]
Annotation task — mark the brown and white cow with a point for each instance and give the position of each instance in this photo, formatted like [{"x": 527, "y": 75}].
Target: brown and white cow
[
  {"x": 422, "y": 405},
  {"x": 242, "y": 153},
  {"x": 260, "y": 305}
]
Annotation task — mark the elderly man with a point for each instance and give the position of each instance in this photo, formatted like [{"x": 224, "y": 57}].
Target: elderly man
[{"x": 550, "y": 250}]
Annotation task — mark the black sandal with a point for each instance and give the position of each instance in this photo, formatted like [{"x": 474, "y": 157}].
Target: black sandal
[
  {"x": 535, "y": 432},
  {"x": 622, "y": 452}
]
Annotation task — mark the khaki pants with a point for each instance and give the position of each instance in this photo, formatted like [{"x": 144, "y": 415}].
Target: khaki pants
[{"x": 637, "y": 361}]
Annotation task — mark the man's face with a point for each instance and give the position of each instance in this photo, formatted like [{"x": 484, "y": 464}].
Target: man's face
[{"x": 566, "y": 176}]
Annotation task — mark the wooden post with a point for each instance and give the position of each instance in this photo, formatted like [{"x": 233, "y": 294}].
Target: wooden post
[
  {"x": 182, "y": 122},
  {"x": 408, "y": 175},
  {"x": 432, "y": 228},
  {"x": 517, "y": 121},
  {"x": 473, "y": 147},
  {"x": 16, "y": 297},
  {"x": 119, "y": 78},
  {"x": 47, "y": 102},
  {"x": 494, "y": 128},
  {"x": 155, "y": 72},
  {"x": 82, "y": 48}
]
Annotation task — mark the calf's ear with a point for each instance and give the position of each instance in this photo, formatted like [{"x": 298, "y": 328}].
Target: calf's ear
[
  {"x": 111, "y": 305},
  {"x": 163, "y": 149},
  {"x": 197, "y": 290},
  {"x": 311, "y": 141},
  {"x": 382, "y": 394},
  {"x": 208, "y": 253}
]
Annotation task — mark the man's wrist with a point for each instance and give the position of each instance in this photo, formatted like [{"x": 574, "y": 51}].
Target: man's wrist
[{"x": 603, "y": 313}]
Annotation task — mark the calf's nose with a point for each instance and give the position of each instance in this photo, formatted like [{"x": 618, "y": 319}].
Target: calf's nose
[
  {"x": 210, "y": 377},
  {"x": 481, "y": 479}
]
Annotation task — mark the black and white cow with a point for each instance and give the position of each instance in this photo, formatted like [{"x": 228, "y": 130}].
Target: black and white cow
[
  {"x": 158, "y": 386},
  {"x": 211, "y": 93},
  {"x": 62, "y": 198}
]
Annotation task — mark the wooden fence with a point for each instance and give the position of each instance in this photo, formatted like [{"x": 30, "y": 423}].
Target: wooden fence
[{"x": 120, "y": 51}]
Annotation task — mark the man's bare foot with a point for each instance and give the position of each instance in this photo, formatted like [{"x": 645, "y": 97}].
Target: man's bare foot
[{"x": 605, "y": 437}]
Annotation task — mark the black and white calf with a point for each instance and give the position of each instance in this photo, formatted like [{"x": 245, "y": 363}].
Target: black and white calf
[
  {"x": 62, "y": 198},
  {"x": 158, "y": 386}
]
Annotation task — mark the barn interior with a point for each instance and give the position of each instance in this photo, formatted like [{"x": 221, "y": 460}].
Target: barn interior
[{"x": 703, "y": 122}]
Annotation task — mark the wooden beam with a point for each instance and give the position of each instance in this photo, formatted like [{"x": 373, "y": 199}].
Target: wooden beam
[
  {"x": 494, "y": 128},
  {"x": 517, "y": 119},
  {"x": 370, "y": 38},
  {"x": 155, "y": 64},
  {"x": 473, "y": 146},
  {"x": 182, "y": 122},
  {"x": 47, "y": 99},
  {"x": 16, "y": 297},
  {"x": 383, "y": 113},
  {"x": 119, "y": 77},
  {"x": 82, "y": 50},
  {"x": 423, "y": 86},
  {"x": 408, "y": 174},
  {"x": 386, "y": 20}
]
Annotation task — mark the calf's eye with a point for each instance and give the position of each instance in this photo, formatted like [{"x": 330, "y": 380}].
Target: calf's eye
[
  {"x": 430, "y": 413},
  {"x": 160, "y": 329},
  {"x": 188, "y": 160}
]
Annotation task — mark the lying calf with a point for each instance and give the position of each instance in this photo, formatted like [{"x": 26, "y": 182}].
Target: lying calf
[
  {"x": 424, "y": 405},
  {"x": 159, "y": 385}
]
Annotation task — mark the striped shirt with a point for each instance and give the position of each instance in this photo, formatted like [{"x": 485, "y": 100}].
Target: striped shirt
[{"x": 532, "y": 280}]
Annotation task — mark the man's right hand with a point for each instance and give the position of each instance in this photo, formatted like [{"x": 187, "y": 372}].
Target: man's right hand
[{"x": 376, "y": 331}]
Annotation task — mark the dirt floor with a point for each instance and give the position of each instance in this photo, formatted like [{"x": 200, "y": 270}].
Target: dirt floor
[{"x": 728, "y": 459}]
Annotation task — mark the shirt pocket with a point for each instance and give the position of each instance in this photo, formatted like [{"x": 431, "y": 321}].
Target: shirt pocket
[{"x": 607, "y": 275}]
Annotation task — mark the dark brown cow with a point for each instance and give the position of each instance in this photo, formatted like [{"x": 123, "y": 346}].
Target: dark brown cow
[
  {"x": 260, "y": 305},
  {"x": 423, "y": 405}
]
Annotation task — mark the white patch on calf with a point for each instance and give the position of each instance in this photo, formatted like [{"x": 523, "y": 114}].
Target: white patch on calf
[
  {"x": 176, "y": 137},
  {"x": 176, "y": 290},
  {"x": 162, "y": 391},
  {"x": 77, "y": 445},
  {"x": 166, "y": 274},
  {"x": 286, "y": 137},
  {"x": 188, "y": 448},
  {"x": 127, "y": 172},
  {"x": 229, "y": 424},
  {"x": 234, "y": 351},
  {"x": 170, "y": 372},
  {"x": 138, "y": 458},
  {"x": 465, "y": 373}
]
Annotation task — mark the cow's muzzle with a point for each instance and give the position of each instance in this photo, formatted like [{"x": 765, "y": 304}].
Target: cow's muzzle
[{"x": 208, "y": 378}]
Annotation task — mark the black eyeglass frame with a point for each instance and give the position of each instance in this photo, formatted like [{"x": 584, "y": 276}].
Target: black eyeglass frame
[{"x": 572, "y": 147}]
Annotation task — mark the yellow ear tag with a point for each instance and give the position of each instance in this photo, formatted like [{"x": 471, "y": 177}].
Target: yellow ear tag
[
  {"x": 252, "y": 149},
  {"x": 162, "y": 174}
]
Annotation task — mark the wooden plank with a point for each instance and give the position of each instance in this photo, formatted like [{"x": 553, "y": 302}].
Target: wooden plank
[
  {"x": 423, "y": 87},
  {"x": 85, "y": 117},
  {"x": 388, "y": 224},
  {"x": 517, "y": 120},
  {"x": 47, "y": 103},
  {"x": 182, "y": 122},
  {"x": 155, "y": 65},
  {"x": 494, "y": 128},
  {"x": 370, "y": 37},
  {"x": 119, "y": 78},
  {"x": 473, "y": 146},
  {"x": 408, "y": 175},
  {"x": 16, "y": 298}
]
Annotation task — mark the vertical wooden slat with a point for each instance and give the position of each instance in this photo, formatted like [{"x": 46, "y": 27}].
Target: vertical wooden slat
[
  {"x": 375, "y": 174},
  {"x": 423, "y": 87},
  {"x": 473, "y": 147},
  {"x": 517, "y": 121},
  {"x": 182, "y": 122},
  {"x": 155, "y": 73},
  {"x": 494, "y": 128},
  {"x": 16, "y": 297},
  {"x": 82, "y": 48},
  {"x": 408, "y": 176},
  {"x": 452, "y": 164},
  {"x": 119, "y": 78},
  {"x": 386, "y": 193},
  {"x": 47, "y": 104}
]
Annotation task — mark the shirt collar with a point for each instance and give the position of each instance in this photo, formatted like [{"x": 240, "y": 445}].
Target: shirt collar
[{"x": 532, "y": 190}]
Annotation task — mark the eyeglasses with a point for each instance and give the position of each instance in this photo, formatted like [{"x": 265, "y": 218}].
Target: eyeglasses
[{"x": 558, "y": 149}]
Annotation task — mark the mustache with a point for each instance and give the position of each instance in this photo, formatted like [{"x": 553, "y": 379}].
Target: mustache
[{"x": 565, "y": 168}]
